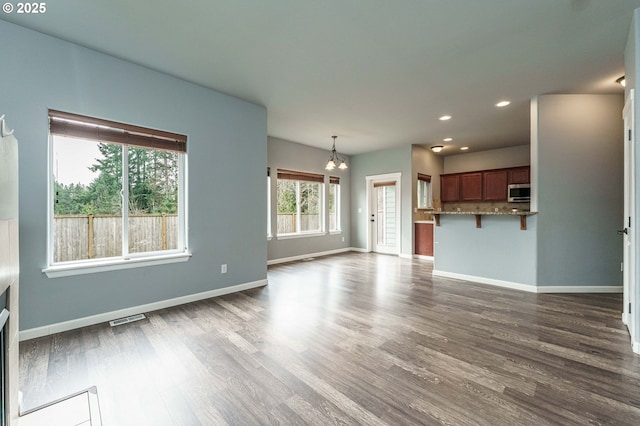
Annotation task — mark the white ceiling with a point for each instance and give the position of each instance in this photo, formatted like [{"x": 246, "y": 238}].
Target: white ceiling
[{"x": 377, "y": 73}]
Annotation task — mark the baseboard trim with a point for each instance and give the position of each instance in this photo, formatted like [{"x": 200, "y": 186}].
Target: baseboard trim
[
  {"x": 306, "y": 256},
  {"x": 528, "y": 287},
  {"x": 635, "y": 346},
  {"x": 423, "y": 257},
  {"x": 359, "y": 249},
  {"x": 580, "y": 289},
  {"x": 47, "y": 330},
  {"x": 483, "y": 280},
  {"x": 405, "y": 256}
]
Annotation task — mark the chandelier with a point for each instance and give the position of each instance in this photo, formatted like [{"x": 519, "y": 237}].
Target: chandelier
[{"x": 334, "y": 159}]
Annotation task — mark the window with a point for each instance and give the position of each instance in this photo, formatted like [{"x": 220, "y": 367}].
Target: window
[
  {"x": 117, "y": 191},
  {"x": 299, "y": 202},
  {"x": 425, "y": 198},
  {"x": 334, "y": 204},
  {"x": 269, "y": 202}
]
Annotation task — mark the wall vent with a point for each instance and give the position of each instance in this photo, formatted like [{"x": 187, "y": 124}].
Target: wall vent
[{"x": 126, "y": 320}]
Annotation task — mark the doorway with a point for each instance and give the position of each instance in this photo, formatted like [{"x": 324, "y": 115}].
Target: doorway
[
  {"x": 630, "y": 288},
  {"x": 383, "y": 193}
]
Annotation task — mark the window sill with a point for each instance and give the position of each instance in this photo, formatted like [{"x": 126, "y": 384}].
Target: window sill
[
  {"x": 335, "y": 232},
  {"x": 305, "y": 235},
  {"x": 67, "y": 270}
]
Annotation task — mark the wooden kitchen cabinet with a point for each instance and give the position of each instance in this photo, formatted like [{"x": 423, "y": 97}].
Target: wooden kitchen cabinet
[
  {"x": 495, "y": 185},
  {"x": 424, "y": 239},
  {"x": 471, "y": 186},
  {"x": 519, "y": 175},
  {"x": 450, "y": 188}
]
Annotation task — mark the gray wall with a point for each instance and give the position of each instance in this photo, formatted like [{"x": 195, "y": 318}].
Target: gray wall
[
  {"x": 485, "y": 160},
  {"x": 579, "y": 189},
  {"x": 396, "y": 160},
  {"x": 227, "y": 154},
  {"x": 284, "y": 154},
  {"x": 632, "y": 76}
]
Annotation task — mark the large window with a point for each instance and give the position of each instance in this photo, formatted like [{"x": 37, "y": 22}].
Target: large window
[
  {"x": 117, "y": 191},
  {"x": 299, "y": 202},
  {"x": 334, "y": 204}
]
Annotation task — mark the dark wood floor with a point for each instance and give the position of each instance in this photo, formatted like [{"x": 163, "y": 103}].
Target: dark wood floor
[{"x": 353, "y": 339}]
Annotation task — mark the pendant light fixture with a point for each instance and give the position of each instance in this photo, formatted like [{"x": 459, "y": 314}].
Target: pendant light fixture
[{"x": 334, "y": 159}]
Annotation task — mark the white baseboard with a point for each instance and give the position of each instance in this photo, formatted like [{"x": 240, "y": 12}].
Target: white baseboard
[
  {"x": 306, "y": 256},
  {"x": 359, "y": 250},
  {"x": 580, "y": 289},
  {"x": 528, "y": 287},
  {"x": 483, "y": 280},
  {"x": 423, "y": 257},
  {"x": 635, "y": 346},
  {"x": 405, "y": 256},
  {"x": 32, "y": 333}
]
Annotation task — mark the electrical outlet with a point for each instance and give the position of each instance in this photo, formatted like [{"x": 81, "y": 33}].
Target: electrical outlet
[{"x": 223, "y": 268}]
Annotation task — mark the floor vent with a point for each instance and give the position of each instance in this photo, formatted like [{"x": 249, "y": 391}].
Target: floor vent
[{"x": 127, "y": 320}]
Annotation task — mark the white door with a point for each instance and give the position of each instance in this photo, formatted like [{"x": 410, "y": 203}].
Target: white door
[
  {"x": 628, "y": 228},
  {"x": 384, "y": 218},
  {"x": 383, "y": 192}
]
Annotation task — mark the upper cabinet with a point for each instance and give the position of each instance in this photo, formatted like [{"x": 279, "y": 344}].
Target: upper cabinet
[
  {"x": 449, "y": 188},
  {"x": 471, "y": 186},
  {"x": 487, "y": 185},
  {"x": 519, "y": 175},
  {"x": 495, "y": 185}
]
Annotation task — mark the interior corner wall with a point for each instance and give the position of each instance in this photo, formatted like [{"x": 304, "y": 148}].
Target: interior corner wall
[
  {"x": 282, "y": 154},
  {"x": 395, "y": 160},
  {"x": 227, "y": 159},
  {"x": 579, "y": 189}
]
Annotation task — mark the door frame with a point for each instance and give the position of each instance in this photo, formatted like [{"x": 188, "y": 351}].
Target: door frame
[
  {"x": 370, "y": 180},
  {"x": 630, "y": 284}
]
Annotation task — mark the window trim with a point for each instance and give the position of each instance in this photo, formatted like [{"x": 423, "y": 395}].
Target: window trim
[
  {"x": 297, "y": 177},
  {"x": 129, "y": 260}
]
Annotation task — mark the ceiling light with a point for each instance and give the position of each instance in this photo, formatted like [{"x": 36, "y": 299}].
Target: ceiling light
[
  {"x": 621, "y": 81},
  {"x": 464, "y": 148},
  {"x": 503, "y": 104},
  {"x": 445, "y": 118},
  {"x": 333, "y": 158},
  {"x": 437, "y": 148},
  {"x": 447, "y": 139}
]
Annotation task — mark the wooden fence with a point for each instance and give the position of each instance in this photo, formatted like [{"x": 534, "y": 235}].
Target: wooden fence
[
  {"x": 79, "y": 237},
  {"x": 287, "y": 222}
]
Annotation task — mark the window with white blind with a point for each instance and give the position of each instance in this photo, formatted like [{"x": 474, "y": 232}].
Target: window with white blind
[
  {"x": 425, "y": 196},
  {"x": 299, "y": 203},
  {"x": 117, "y": 191}
]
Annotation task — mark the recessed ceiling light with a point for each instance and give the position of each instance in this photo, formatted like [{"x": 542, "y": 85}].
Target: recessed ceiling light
[
  {"x": 447, "y": 139},
  {"x": 464, "y": 148},
  {"x": 445, "y": 118},
  {"x": 437, "y": 148},
  {"x": 503, "y": 104}
]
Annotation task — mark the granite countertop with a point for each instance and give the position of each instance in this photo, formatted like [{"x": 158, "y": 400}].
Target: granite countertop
[
  {"x": 489, "y": 213},
  {"x": 423, "y": 221}
]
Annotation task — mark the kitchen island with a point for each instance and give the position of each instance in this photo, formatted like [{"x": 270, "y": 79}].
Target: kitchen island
[{"x": 496, "y": 251}]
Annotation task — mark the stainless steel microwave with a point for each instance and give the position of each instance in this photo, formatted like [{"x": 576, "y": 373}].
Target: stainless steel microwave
[{"x": 519, "y": 193}]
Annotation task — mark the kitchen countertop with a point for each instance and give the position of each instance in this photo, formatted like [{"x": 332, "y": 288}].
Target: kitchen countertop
[
  {"x": 494, "y": 213},
  {"x": 423, "y": 221}
]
